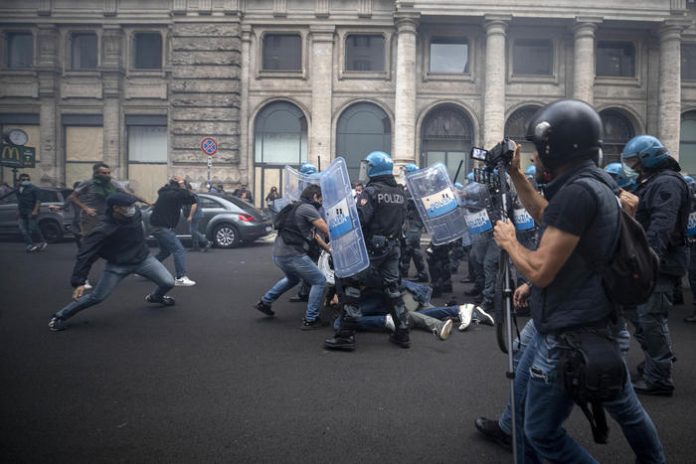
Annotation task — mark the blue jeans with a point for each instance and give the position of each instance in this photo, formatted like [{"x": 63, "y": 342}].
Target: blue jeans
[
  {"x": 652, "y": 332},
  {"x": 28, "y": 225},
  {"x": 197, "y": 237},
  {"x": 169, "y": 244},
  {"x": 297, "y": 268},
  {"x": 115, "y": 273},
  {"x": 547, "y": 407}
]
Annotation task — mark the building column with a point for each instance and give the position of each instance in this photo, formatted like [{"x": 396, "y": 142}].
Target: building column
[
  {"x": 322, "y": 84},
  {"x": 584, "y": 62},
  {"x": 112, "y": 75},
  {"x": 669, "y": 110},
  {"x": 51, "y": 164},
  {"x": 403, "y": 149},
  {"x": 494, "y": 93},
  {"x": 246, "y": 159}
]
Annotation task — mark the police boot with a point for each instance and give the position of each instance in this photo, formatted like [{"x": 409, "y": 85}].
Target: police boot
[
  {"x": 400, "y": 337},
  {"x": 343, "y": 340}
]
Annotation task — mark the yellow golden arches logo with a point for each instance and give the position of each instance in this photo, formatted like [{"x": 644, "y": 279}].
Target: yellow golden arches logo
[{"x": 10, "y": 153}]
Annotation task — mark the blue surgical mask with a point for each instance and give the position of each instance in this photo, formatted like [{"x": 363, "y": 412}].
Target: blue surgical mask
[
  {"x": 25, "y": 183},
  {"x": 130, "y": 211}
]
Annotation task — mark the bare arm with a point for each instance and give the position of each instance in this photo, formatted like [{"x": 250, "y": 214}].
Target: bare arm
[
  {"x": 74, "y": 197},
  {"x": 321, "y": 225},
  {"x": 540, "y": 267},
  {"x": 532, "y": 200},
  {"x": 194, "y": 207},
  {"x": 324, "y": 246}
]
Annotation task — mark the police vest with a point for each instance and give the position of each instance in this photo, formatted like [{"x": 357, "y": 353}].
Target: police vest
[
  {"x": 576, "y": 297},
  {"x": 389, "y": 203}
]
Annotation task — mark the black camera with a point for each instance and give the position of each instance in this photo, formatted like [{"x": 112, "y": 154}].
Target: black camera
[{"x": 501, "y": 153}]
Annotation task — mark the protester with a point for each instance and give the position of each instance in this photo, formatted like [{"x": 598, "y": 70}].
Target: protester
[
  {"x": 28, "y": 206},
  {"x": 194, "y": 215},
  {"x": 578, "y": 214},
  {"x": 119, "y": 239},
  {"x": 290, "y": 255},
  {"x": 272, "y": 196},
  {"x": 164, "y": 219},
  {"x": 90, "y": 196},
  {"x": 381, "y": 210},
  {"x": 244, "y": 193},
  {"x": 663, "y": 211}
]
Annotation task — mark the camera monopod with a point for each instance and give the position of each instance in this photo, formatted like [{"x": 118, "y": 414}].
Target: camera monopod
[{"x": 498, "y": 183}]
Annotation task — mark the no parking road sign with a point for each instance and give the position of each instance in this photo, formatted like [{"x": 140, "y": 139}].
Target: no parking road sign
[{"x": 209, "y": 146}]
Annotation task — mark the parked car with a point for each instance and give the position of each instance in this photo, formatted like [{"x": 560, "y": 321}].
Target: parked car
[
  {"x": 227, "y": 221},
  {"x": 53, "y": 220}
]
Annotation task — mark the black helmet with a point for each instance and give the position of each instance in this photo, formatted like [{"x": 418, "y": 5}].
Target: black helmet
[{"x": 565, "y": 131}]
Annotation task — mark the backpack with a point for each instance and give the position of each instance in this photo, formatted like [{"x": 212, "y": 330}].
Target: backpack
[
  {"x": 629, "y": 277},
  {"x": 284, "y": 223}
]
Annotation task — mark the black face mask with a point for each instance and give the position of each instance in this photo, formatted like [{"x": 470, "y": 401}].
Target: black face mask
[{"x": 105, "y": 179}]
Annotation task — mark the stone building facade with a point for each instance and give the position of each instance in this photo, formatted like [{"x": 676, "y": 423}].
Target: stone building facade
[{"x": 138, "y": 84}]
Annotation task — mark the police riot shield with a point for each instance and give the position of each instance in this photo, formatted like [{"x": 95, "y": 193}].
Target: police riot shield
[
  {"x": 476, "y": 201},
  {"x": 348, "y": 248},
  {"x": 294, "y": 183},
  {"x": 437, "y": 203}
]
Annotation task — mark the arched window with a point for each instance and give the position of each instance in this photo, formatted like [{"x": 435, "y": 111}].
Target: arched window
[
  {"x": 687, "y": 142},
  {"x": 280, "y": 135},
  {"x": 280, "y": 138},
  {"x": 448, "y": 135},
  {"x": 618, "y": 130},
  {"x": 361, "y": 129},
  {"x": 516, "y": 129}
]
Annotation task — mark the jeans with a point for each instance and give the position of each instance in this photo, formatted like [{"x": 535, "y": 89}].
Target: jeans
[
  {"x": 652, "y": 332},
  {"x": 28, "y": 225},
  {"x": 487, "y": 255},
  {"x": 197, "y": 237},
  {"x": 297, "y": 268},
  {"x": 547, "y": 407},
  {"x": 169, "y": 244},
  {"x": 112, "y": 275}
]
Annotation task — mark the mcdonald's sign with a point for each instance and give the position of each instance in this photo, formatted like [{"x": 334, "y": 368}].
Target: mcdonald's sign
[{"x": 15, "y": 156}]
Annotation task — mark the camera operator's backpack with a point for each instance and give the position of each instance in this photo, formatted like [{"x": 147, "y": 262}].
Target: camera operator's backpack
[{"x": 629, "y": 277}]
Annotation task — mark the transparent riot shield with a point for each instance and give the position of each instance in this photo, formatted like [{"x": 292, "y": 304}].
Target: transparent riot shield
[
  {"x": 294, "y": 183},
  {"x": 347, "y": 242},
  {"x": 476, "y": 201},
  {"x": 437, "y": 203}
]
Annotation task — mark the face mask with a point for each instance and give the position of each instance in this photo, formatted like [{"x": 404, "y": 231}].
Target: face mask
[
  {"x": 130, "y": 211},
  {"x": 104, "y": 179},
  {"x": 25, "y": 183}
]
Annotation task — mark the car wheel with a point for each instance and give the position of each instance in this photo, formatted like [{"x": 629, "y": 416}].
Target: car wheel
[
  {"x": 51, "y": 231},
  {"x": 226, "y": 236}
]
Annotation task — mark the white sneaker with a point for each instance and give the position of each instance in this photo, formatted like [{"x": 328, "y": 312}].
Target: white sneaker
[
  {"x": 444, "y": 332},
  {"x": 483, "y": 317},
  {"x": 184, "y": 282},
  {"x": 389, "y": 323},
  {"x": 87, "y": 285},
  {"x": 465, "y": 313}
]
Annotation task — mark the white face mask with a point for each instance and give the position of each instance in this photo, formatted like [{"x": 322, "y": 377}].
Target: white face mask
[{"x": 130, "y": 211}]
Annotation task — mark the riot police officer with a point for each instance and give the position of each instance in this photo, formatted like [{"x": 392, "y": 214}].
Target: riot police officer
[
  {"x": 382, "y": 211},
  {"x": 413, "y": 230}
]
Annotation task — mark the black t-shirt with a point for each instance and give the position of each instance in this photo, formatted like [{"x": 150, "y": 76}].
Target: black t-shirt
[
  {"x": 571, "y": 210},
  {"x": 167, "y": 209}
]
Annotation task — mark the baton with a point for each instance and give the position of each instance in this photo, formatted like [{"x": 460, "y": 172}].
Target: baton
[{"x": 459, "y": 168}]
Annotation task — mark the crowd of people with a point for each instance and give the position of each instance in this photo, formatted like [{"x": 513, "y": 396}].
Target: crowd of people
[{"x": 559, "y": 233}]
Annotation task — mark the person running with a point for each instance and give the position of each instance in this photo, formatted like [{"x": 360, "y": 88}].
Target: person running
[{"x": 119, "y": 239}]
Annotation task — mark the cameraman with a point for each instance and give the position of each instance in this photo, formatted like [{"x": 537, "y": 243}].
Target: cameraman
[{"x": 567, "y": 291}]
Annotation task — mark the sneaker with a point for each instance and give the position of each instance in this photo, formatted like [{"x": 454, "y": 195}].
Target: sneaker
[
  {"x": 56, "y": 324},
  {"x": 31, "y": 248},
  {"x": 163, "y": 300},
  {"x": 401, "y": 338},
  {"x": 445, "y": 330},
  {"x": 644, "y": 388},
  {"x": 389, "y": 323},
  {"x": 87, "y": 285},
  {"x": 264, "y": 308},
  {"x": 482, "y": 317},
  {"x": 690, "y": 319},
  {"x": 340, "y": 343},
  {"x": 492, "y": 431},
  {"x": 311, "y": 325},
  {"x": 184, "y": 282},
  {"x": 41, "y": 246},
  {"x": 207, "y": 246},
  {"x": 465, "y": 313}
]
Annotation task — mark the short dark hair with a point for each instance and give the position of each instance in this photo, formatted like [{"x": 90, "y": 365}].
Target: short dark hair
[
  {"x": 310, "y": 191},
  {"x": 24, "y": 174},
  {"x": 99, "y": 165}
]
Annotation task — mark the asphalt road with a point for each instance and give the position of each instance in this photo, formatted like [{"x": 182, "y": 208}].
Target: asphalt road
[{"x": 212, "y": 381}]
